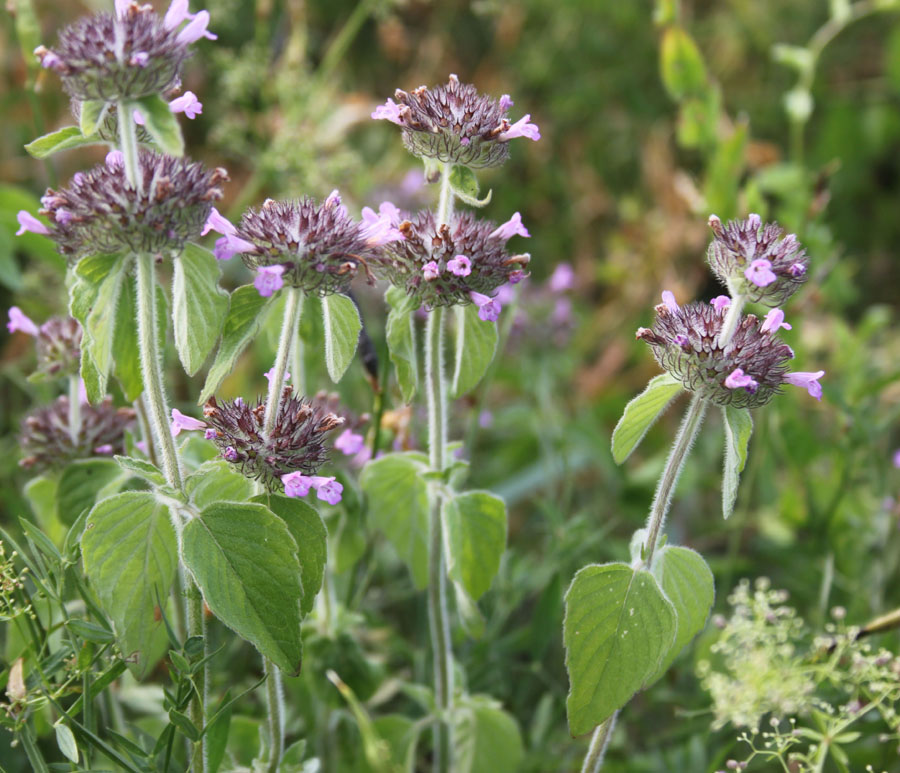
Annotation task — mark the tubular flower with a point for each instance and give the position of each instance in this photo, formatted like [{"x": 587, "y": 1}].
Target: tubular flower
[
  {"x": 444, "y": 266},
  {"x": 47, "y": 443},
  {"x": 296, "y": 443},
  {"x": 745, "y": 373},
  {"x": 125, "y": 56},
  {"x": 757, "y": 261},
  {"x": 455, "y": 124},
  {"x": 100, "y": 211},
  {"x": 318, "y": 247}
]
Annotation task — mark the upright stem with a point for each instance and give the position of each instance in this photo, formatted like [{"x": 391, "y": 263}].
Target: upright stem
[
  {"x": 445, "y": 202},
  {"x": 593, "y": 762},
  {"x": 292, "y": 307},
  {"x": 674, "y": 464},
  {"x": 197, "y": 627},
  {"x": 74, "y": 409},
  {"x": 275, "y": 699},
  {"x": 437, "y": 581},
  {"x": 129, "y": 143},
  {"x": 732, "y": 317}
]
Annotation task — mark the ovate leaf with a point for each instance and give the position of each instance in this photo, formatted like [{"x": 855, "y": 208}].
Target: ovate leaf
[
  {"x": 160, "y": 123},
  {"x": 130, "y": 557},
  {"x": 199, "y": 306},
  {"x": 688, "y": 583},
  {"x": 683, "y": 71},
  {"x": 62, "y": 139},
  {"x": 217, "y": 481},
  {"x": 738, "y": 428},
  {"x": 141, "y": 468},
  {"x": 618, "y": 628},
  {"x": 398, "y": 507},
  {"x": 93, "y": 111},
  {"x": 342, "y": 326},
  {"x": 476, "y": 341},
  {"x": 244, "y": 559},
  {"x": 485, "y": 737},
  {"x": 65, "y": 740},
  {"x": 640, "y": 414},
  {"x": 81, "y": 484},
  {"x": 240, "y": 327},
  {"x": 476, "y": 538},
  {"x": 400, "y": 332}
]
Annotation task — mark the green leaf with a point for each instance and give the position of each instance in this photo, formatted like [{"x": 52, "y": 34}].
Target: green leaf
[
  {"x": 465, "y": 186},
  {"x": 640, "y": 414},
  {"x": 65, "y": 740},
  {"x": 81, "y": 483},
  {"x": 240, "y": 328},
  {"x": 93, "y": 111},
  {"x": 41, "y": 495},
  {"x": 93, "y": 298},
  {"x": 398, "y": 506},
  {"x": 308, "y": 531},
  {"x": 244, "y": 559},
  {"x": 160, "y": 123},
  {"x": 217, "y": 481},
  {"x": 342, "y": 326},
  {"x": 725, "y": 171},
  {"x": 476, "y": 341},
  {"x": 90, "y": 631},
  {"x": 738, "y": 428},
  {"x": 184, "y": 724},
  {"x": 618, "y": 628},
  {"x": 142, "y": 469},
  {"x": 62, "y": 139},
  {"x": 199, "y": 306},
  {"x": 12, "y": 199},
  {"x": 683, "y": 71},
  {"x": 475, "y": 540},
  {"x": 485, "y": 737},
  {"x": 126, "y": 354},
  {"x": 130, "y": 556},
  {"x": 400, "y": 331},
  {"x": 688, "y": 583}
]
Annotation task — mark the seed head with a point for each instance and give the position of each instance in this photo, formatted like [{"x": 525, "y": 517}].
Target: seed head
[
  {"x": 47, "y": 443},
  {"x": 757, "y": 261},
  {"x": 101, "y": 212},
  {"x": 455, "y": 124},
  {"x": 296, "y": 443}
]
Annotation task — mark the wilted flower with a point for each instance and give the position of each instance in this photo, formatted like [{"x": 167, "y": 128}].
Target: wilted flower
[
  {"x": 101, "y": 212},
  {"x": 757, "y": 261},
  {"x": 130, "y": 55},
  {"x": 296, "y": 443},
  {"x": 455, "y": 124},
  {"x": 47, "y": 442}
]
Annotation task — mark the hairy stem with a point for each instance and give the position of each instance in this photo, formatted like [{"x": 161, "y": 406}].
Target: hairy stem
[
  {"x": 129, "y": 143},
  {"x": 275, "y": 719},
  {"x": 732, "y": 317},
  {"x": 445, "y": 202},
  {"x": 674, "y": 464},
  {"x": 292, "y": 307},
  {"x": 74, "y": 408},
  {"x": 593, "y": 761},
  {"x": 197, "y": 627}
]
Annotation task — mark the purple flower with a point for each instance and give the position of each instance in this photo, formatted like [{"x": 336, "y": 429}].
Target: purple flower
[
  {"x": 738, "y": 379},
  {"x": 485, "y": 419},
  {"x": 897, "y": 458},
  {"x": 175, "y": 15},
  {"x": 431, "y": 271},
  {"x": 115, "y": 158},
  {"x": 215, "y": 222},
  {"x": 797, "y": 269},
  {"x": 562, "y": 278},
  {"x": 63, "y": 216},
  {"x": 196, "y": 29},
  {"x": 389, "y": 111},
  {"x": 269, "y": 374},
  {"x": 380, "y": 228},
  {"x": 327, "y": 489},
  {"x": 229, "y": 245},
  {"x": 760, "y": 273},
  {"x": 229, "y": 454},
  {"x": 296, "y": 484},
  {"x": 105, "y": 450},
  {"x": 505, "y": 294},
  {"x": 210, "y": 434},
  {"x": 180, "y": 422},
  {"x": 460, "y": 265},
  {"x": 349, "y": 442},
  {"x": 18, "y": 321},
  {"x": 188, "y": 104},
  {"x": 334, "y": 200},
  {"x": 809, "y": 381},
  {"x": 774, "y": 322},
  {"x": 505, "y": 102},
  {"x": 139, "y": 59},
  {"x": 668, "y": 298},
  {"x": 517, "y": 275},
  {"x": 28, "y": 222},
  {"x": 681, "y": 339},
  {"x": 510, "y": 228},
  {"x": 49, "y": 60},
  {"x": 521, "y": 128},
  {"x": 488, "y": 308},
  {"x": 720, "y": 302},
  {"x": 268, "y": 279},
  {"x": 562, "y": 311}
]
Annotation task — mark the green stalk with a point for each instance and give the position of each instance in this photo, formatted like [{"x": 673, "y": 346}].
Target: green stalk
[
  {"x": 74, "y": 409},
  {"x": 292, "y": 308},
  {"x": 593, "y": 762},
  {"x": 38, "y": 763},
  {"x": 732, "y": 318},
  {"x": 275, "y": 719},
  {"x": 129, "y": 143}
]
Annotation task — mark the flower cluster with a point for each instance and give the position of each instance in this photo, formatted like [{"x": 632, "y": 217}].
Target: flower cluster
[
  {"x": 101, "y": 212},
  {"x": 295, "y": 444},
  {"x": 455, "y": 124},
  {"x": 316, "y": 248},
  {"x": 457, "y": 263},
  {"x": 58, "y": 342},
  {"x": 47, "y": 440},
  {"x": 125, "y": 56},
  {"x": 755, "y": 261},
  {"x": 745, "y": 372}
]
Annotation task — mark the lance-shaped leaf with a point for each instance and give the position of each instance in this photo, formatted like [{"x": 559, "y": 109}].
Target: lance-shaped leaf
[
  {"x": 240, "y": 327},
  {"x": 199, "y": 306},
  {"x": 738, "y": 428},
  {"x": 476, "y": 342},
  {"x": 475, "y": 540},
  {"x": 618, "y": 628},
  {"x": 130, "y": 556},
  {"x": 62, "y": 139},
  {"x": 342, "y": 326},
  {"x": 244, "y": 559},
  {"x": 160, "y": 123},
  {"x": 640, "y": 414},
  {"x": 400, "y": 331}
]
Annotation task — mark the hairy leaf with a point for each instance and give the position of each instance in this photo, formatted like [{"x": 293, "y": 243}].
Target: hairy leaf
[
  {"x": 342, "y": 326},
  {"x": 738, "y": 428},
  {"x": 476, "y": 342},
  {"x": 476, "y": 538},
  {"x": 640, "y": 414}
]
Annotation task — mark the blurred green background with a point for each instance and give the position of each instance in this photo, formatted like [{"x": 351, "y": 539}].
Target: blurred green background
[{"x": 636, "y": 151}]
